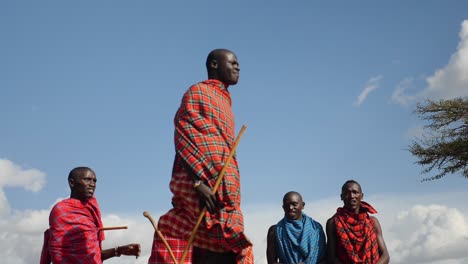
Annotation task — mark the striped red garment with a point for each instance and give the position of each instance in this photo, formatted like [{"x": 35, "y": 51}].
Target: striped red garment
[
  {"x": 160, "y": 254},
  {"x": 356, "y": 235},
  {"x": 74, "y": 235},
  {"x": 204, "y": 135}
]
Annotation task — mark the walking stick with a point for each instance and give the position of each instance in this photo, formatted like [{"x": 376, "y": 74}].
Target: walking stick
[
  {"x": 215, "y": 188},
  {"x": 112, "y": 228},
  {"x": 147, "y": 215}
]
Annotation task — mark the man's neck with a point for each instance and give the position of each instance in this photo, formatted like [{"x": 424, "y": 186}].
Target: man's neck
[{"x": 83, "y": 200}]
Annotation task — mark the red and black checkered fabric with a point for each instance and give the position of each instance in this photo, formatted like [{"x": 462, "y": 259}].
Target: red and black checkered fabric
[
  {"x": 74, "y": 235},
  {"x": 356, "y": 236},
  {"x": 204, "y": 136},
  {"x": 160, "y": 254}
]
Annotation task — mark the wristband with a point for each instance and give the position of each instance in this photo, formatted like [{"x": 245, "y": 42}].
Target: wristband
[
  {"x": 196, "y": 184},
  {"x": 116, "y": 252}
]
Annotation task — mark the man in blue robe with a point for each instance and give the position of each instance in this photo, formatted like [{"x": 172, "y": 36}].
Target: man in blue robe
[{"x": 297, "y": 238}]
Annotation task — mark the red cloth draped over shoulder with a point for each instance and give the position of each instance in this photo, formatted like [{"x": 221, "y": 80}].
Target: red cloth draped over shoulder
[
  {"x": 204, "y": 136},
  {"x": 356, "y": 235},
  {"x": 73, "y": 236}
]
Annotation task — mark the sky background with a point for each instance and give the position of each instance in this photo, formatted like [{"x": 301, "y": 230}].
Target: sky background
[{"x": 327, "y": 91}]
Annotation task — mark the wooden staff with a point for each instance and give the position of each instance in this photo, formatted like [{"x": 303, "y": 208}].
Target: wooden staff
[
  {"x": 215, "y": 188},
  {"x": 112, "y": 228},
  {"x": 147, "y": 215}
]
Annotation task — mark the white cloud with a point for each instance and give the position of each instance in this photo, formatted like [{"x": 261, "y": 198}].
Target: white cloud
[
  {"x": 14, "y": 176},
  {"x": 4, "y": 206},
  {"x": 372, "y": 84},
  {"x": 430, "y": 229},
  {"x": 400, "y": 95},
  {"x": 429, "y": 233},
  {"x": 449, "y": 82}
]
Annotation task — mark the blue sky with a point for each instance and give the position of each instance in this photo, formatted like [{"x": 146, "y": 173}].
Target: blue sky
[{"x": 327, "y": 92}]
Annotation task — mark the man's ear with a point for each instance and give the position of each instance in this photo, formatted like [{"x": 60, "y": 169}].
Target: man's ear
[
  {"x": 362, "y": 195},
  {"x": 341, "y": 197},
  {"x": 214, "y": 64},
  {"x": 71, "y": 182}
]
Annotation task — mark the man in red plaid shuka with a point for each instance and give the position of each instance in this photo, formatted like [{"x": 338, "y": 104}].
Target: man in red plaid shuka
[
  {"x": 204, "y": 136},
  {"x": 353, "y": 235},
  {"x": 74, "y": 236}
]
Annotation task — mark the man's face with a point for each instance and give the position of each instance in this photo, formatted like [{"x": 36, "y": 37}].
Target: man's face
[
  {"x": 352, "y": 196},
  {"x": 292, "y": 207},
  {"x": 228, "y": 69},
  {"x": 83, "y": 185}
]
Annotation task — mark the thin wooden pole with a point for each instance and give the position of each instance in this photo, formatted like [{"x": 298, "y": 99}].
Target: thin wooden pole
[{"x": 112, "y": 228}]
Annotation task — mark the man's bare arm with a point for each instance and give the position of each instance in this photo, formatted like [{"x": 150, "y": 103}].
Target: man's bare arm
[
  {"x": 128, "y": 250},
  {"x": 272, "y": 258},
  {"x": 331, "y": 242},
  {"x": 384, "y": 256}
]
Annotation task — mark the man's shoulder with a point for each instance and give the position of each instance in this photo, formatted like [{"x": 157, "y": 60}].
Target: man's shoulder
[
  {"x": 331, "y": 220},
  {"x": 332, "y": 217},
  {"x": 197, "y": 88},
  {"x": 374, "y": 220},
  {"x": 272, "y": 229},
  {"x": 70, "y": 203},
  {"x": 61, "y": 203},
  {"x": 200, "y": 85}
]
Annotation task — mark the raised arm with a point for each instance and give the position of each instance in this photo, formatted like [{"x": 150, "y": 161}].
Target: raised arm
[
  {"x": 331, "y": 242},
  {"x": 384, "y": 256}
]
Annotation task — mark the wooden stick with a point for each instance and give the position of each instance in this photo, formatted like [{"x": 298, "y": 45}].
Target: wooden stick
[
  {"x": 215, "y": 188},
  {"x": 147, "y": 215},
  {"x": 112, "y": 228}
]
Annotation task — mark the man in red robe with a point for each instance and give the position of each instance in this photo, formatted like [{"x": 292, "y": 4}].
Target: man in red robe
[
  {"x": 353, "y": 235},
  {"x": 204, "y": 136},
  {"x": 74, "y": 236}
]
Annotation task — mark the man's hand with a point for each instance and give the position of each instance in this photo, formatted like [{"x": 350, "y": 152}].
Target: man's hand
[
  {"x": 207, "y": 198},
  {"x": 130, "y": 250}
]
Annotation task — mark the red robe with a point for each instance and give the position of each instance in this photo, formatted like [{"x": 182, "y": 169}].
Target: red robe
[
  {"x": 356, "y": 236},
  {"x": 73, "y": 236},
  {"x": 204, "y": 136}
]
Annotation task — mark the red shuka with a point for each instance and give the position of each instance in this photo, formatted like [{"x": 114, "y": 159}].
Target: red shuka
[
  {"x": 204, "y": 136},
  {"x": 356, "y": 236},
  {"x": 73, "y": 236}
]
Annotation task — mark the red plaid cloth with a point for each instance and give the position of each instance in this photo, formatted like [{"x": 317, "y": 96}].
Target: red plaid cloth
[
  {"x": 160, "y": 254},
  {"x": 244, "y": 257},
  {"x": 204, "y": 136},
  {"x": 357, "y": 238},
  {"x": 73, "y": 236}
]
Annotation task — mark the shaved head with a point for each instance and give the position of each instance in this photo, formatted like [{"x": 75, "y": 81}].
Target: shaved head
[
  {"x": 350, "y": 182},
  {"x": 293, "y": 205},
  {"x": 222, "y": 65},
  {"x": 78, "y": 171},
  {"x": 291, "y": 193},
  {"x": 216, "y": 55},
  {"x": 82, "y": 182}
]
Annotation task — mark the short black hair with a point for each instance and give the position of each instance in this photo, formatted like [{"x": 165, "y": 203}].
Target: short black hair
[
  {"x": 78, "y": 171},
  {"x": 348, "y": 182}
]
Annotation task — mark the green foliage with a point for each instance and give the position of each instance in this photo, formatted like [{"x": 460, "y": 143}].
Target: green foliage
[{"x": 445, "y": 148}]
